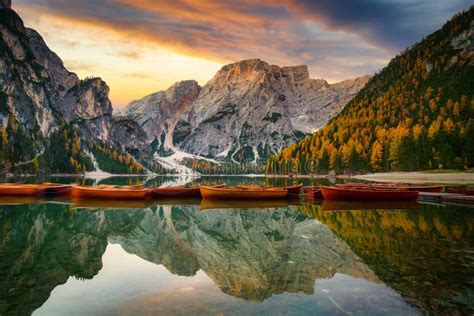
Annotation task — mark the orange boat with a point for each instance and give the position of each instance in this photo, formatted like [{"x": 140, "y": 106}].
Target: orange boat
[
  {"x": 243, "y": 193},
  {"x": 13, "y": 189},
  {"x": 178, "y": 191},
  {"x": 418, "y": 188},
  {"x": 52, "y": 189},
  {"x": 110, "y": 192},
  {"x": 292, "y": 190},
  {"x": 368, "y": 193},
  {"x": 313, "y": 192}
]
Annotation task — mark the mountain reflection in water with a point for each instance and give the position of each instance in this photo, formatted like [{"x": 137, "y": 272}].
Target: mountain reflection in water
[{"x": 217, "y": 258}]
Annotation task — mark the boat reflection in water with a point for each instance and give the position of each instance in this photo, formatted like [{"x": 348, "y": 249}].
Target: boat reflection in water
[
  {"x": 175, "y": 257},
  {"x": 334, "y": 205}
]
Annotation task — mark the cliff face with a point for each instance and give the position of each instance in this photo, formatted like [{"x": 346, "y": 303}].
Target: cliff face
[
  {"x": 159, "y": 112},
  {"x": 247, "y": 111},
  {"x": 257, "y": 109},
  {"x": 39, "y": 97}
]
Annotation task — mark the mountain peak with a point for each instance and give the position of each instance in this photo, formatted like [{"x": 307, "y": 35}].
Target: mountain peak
[{"x": 5, "y": 4}]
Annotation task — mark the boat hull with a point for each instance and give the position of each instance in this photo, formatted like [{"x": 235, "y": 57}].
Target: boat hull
[
  {"x": 56, "y": 189},
  {"x": 21, "y": 190},
  {"x": 242, "y": 193},
  {"x": 417, "y": 188},
  {"x": 119, "y": 193},
  {"x": 313, "y": 192},
  {"x": 177, "y": 191},
  {"x": 366, "y": 194},
  {"x": 294, "y": 190}
]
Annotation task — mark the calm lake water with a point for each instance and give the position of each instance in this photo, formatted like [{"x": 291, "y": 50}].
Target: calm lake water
[{"x": 165, "y": 257}]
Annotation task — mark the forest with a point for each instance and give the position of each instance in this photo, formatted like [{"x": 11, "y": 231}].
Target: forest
[{"x": 416, "y": 114}]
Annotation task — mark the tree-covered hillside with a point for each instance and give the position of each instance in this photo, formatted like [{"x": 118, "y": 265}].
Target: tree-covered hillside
[{"x": 417, "y": 113}]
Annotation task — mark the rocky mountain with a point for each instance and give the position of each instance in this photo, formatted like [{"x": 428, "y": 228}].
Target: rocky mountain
[
  {"x": 248, "y": 110},
  {"x": 416, "y": 114},
  {"x": 41, "y": 101},
  {"x": 159, "y": 112}
]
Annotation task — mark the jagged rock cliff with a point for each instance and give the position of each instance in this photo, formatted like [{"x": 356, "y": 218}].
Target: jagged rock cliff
[
  {"x": 159, "y": 112},
  {"x": 39, "y": 97},
  {"x": 247, "y": 111}
]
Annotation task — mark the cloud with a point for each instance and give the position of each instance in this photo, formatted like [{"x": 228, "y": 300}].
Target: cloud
[
  {"x": 337, "y": 39},
  {"x": 131, "y": 54},
  {"x": 391, "y": 24}
]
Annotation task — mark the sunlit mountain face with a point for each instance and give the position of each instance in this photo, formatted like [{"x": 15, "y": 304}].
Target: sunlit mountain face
[
  {"x": 185, "y": 256},
  {"x": 145, "y": 46}
]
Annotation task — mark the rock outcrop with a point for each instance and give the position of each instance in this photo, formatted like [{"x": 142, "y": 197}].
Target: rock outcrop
[
  {"x": 159, "y": 112},
  {"x": 5, "y": 4},
  {"x": 39, "y": 97},
  {"x": 248, "y": 110}
]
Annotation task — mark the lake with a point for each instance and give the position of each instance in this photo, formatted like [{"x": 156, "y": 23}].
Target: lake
[{"x": 191, "y": 257}]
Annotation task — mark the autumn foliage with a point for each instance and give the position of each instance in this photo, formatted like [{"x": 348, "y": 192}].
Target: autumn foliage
[{"x": 417, "y": 113}]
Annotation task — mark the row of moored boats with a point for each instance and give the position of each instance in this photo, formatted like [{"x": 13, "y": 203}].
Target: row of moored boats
[{"x": 348, "y": 191}]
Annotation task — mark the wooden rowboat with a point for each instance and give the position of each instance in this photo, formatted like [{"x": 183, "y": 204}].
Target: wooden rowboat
[
  {"x": 465, "y": 191},
  {"x": 243, "y": 193},
  {"x": 313, "y": 192},
  {"x": 366, "y": 194},
  {"x": 11, "y": 189},
  {"x": 418, "y": 188},
  {"x": 178, "y": 191},
  {"x": 53, "y": 189},
  {"x": 293, "y": 190},
  {"x": 110, "y": 192}
]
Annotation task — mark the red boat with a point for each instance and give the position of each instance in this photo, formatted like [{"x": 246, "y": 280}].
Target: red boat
[
  {"x": 368, "y": 193},
  {"x": 313, "y": 192},
  {"x": 417, "y": 188},
  {"x": 293, "y": 190},
  {"x": 465, "y": 191},
  {"x": 178, "y": 191}
]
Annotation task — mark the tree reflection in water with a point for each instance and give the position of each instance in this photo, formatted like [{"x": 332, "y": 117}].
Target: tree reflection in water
[{"x": 254, "y": 254}]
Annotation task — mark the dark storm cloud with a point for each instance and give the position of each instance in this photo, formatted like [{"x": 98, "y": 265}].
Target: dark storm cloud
[{"x": 336, "y": 38}]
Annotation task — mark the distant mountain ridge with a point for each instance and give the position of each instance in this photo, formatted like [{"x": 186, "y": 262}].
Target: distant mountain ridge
[
  {"x": 417, "y": 113},
  {"x": 247, "y": 111}
]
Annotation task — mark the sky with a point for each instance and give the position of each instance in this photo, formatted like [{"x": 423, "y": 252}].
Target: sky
[{"x": 143, "y": 46}]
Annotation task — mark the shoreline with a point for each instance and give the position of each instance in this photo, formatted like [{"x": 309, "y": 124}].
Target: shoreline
[
  {"x": 395, "y": 177},
  {"x": 419, "y": 177}
]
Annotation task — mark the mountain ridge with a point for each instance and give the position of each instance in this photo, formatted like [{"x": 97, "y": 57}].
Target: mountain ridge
[
  {"x": 284, "y": 102},
  {"x": 50, "y": 119}
]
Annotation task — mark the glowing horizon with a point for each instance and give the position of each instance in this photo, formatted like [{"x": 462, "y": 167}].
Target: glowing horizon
[{"x": 142, "y": 47}]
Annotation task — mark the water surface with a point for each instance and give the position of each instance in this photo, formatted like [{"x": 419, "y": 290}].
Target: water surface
[{"x": 188, "y": 257}]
